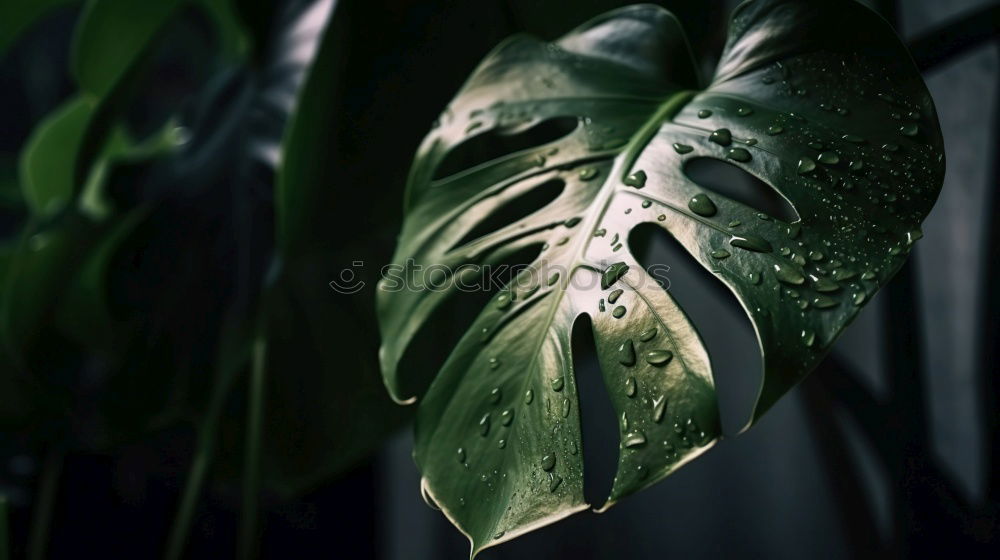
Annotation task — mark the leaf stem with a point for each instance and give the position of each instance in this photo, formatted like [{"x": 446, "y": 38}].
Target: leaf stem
[
  {"x": 45, "y": 499},
  {"x": 4, "y": 530},
  {"x": 249, "y": 522},
  {"x": 207, "y": 433}
]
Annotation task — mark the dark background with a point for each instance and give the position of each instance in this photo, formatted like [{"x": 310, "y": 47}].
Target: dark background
[{"x": 815, "y": 478}]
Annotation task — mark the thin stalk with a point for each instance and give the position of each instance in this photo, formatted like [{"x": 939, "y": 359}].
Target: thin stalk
[
  {"x": 45, "y": 500},
  {"x": 4, "y": 530},
  {"x": 192, "y": 491},
  {"x": 249, "y": 521},
  {"x": 207, "y": 434}
]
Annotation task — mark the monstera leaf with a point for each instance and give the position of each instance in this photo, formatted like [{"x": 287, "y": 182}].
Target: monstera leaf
[{"x": 818, "y": 99}]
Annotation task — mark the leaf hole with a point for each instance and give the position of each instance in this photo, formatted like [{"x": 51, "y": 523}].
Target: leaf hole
[
  {"x": 598, "y": 420},
  {"x": 499, "y": 142},
  {"x": 452, "y": 319},
  {"x": 716, "y": 314},
  {"x": 503, "y": 213},
  {"x": 736, "y": 183}
]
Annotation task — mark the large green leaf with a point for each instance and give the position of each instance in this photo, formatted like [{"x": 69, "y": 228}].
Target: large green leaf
[{"x": 818, "y": 99}]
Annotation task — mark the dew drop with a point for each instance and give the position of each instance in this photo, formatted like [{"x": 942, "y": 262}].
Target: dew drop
[
  {"x": 721, "y": 137},
  {"x": 824, "y": 302},
  {"x": 682, "y": 148},
  {"x": 829, "y": 158},
  {"x": 503, "y": 300},
  {"x": 821, "y": 284},
  {"x": 461, "y": 455},
  {"x": 495, "y": 395},
  {"x": 557, "y": 384},
  {"x": 637, "y": 179},
  {"x": 618, "y": 312},
  {"x": 704, "y": 114},
  {"x": 529, "y": 396},
  {"x": 909, "y": 129},
  {"x": 626, "y": 353},
  {"x": 841, "y": 274},
  {"x": 648, "y": 335},
  {"x": 630, "y": 387},
  {"x": 744, "y": 111},
  {"x": 613, "y": 273},
  {"x": 659, "y": 357},
  {"x": 787, "y": 274},
  {"x": 751, "y": 242},
  {"x": 806, "y": 165},
  {"x": 659, "y": 407},
  {"x": 808, "y": 337},
  {"x": 634, "y": 439},
  {"x": 738, "y": 154},
  {"x": 588, "y": 173},
  {"x": 720, "y": 254},
  {"x": 548, "y": 462},
  {"x": 554, "y": 483},
  {"x": 702, "y": 205},
  {"x": 484, "y": 425},
  {"x": 775, "y": 130}
]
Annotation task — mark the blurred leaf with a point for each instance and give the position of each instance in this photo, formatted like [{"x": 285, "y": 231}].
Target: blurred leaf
[
  {"x": 817, "y": 99},
  {"x": 83, "y": 313},
  {"x": 17, "y": 15},
  {"x": 111, "y": 36},
  {"x": 35, "y": 276},
  {"x": 48, "y": 160},
  {"x": 301, "y": 189},
  {"x": 230, "y": 27}
]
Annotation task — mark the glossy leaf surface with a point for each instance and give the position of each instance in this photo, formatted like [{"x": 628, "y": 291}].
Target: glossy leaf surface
[{"x": 818, "y": 100}]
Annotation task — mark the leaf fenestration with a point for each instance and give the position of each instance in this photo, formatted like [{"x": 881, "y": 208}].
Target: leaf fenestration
[{"x": 818, "y": 100}]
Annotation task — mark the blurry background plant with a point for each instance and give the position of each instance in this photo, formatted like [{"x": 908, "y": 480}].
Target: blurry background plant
[
  {"x": 167, "y": 243},
  {"x": 167, "y": 221}
]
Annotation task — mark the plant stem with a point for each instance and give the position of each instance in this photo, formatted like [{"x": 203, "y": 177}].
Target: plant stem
[
  {"x": 251, "y": 478},
  {"x": 192, "y": 490},
  {"x": 4, "y": 530},
  {"x": 45, "y": 499},
  {"x": 207, "y": 433}
]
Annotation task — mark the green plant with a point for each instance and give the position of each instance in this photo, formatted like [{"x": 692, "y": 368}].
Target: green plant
[
  {"x": 819, "y": 100},
  {"x": 203, "y": 282}
]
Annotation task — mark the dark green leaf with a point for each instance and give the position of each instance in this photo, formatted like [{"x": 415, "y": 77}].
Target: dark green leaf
[
  {"x": 817, "y": 99},
  {"x": 48, "y": 160},
  {"x": 111, "y": 36}
]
